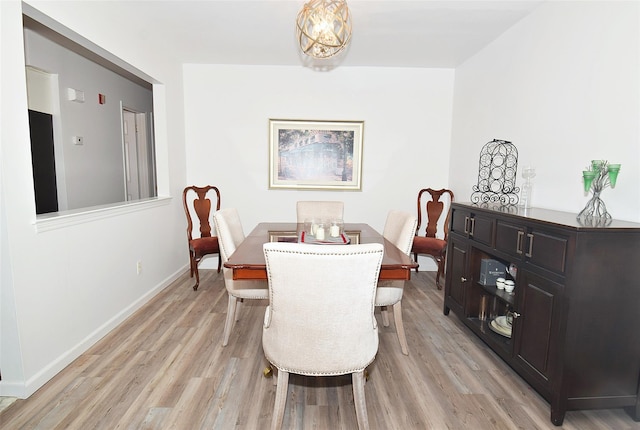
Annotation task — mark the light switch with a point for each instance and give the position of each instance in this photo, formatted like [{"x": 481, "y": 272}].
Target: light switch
[{"x": 78, "y": 140}]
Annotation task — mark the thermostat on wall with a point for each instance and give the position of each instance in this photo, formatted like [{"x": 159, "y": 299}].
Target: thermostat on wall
[{"x": 75, "y": 95}]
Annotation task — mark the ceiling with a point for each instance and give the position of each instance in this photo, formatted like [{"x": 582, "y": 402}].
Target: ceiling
[{"x": 416, "y": 33}]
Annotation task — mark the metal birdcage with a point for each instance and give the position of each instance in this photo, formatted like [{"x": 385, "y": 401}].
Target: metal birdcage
[{"x": 497, "y": 174}]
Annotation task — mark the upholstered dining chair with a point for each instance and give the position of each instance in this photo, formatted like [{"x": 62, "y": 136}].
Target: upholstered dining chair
[
  {"x": 319, "y": 209},
  {"x": 320, "y": 319},
  {"x": 434, "y": 242},
  {"x": 200, "y": 208},
  {"x": 399, "y": 229},
  {"x": 230, "y": 235}
]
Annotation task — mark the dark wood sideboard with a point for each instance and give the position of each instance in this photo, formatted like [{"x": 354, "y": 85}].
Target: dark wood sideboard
[{"x": 576, "y": 333}]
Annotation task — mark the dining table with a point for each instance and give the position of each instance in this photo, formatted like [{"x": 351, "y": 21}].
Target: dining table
[{"x": 247, "y": 262}]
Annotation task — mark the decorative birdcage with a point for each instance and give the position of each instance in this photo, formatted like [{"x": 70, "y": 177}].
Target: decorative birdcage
[{"x": 497, "y": 174}]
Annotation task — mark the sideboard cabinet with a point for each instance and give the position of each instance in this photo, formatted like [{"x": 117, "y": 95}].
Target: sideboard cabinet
[{"x": 575, "y": 310}]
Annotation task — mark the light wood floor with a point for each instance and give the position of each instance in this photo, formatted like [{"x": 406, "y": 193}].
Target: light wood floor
[{"x": 165, "y": 368}]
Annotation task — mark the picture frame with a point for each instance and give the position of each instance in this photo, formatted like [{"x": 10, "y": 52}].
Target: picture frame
[{"x": 315, "y": 155}]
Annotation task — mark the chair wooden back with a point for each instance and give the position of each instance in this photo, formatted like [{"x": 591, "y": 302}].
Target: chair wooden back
[
  {"x": 435, "y": 208},
  {"x": 200, "y": 208},
  {"x": 320, "y": 317}
]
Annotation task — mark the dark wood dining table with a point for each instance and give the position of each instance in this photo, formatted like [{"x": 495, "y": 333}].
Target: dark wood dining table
[{"x": 248, "y": 261}]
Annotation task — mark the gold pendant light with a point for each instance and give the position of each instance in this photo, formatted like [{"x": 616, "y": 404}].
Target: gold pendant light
[{"x": 323, "y": 27}]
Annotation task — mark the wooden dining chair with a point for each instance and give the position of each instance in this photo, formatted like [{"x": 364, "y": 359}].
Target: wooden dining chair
[
  {"x": 327, "y": 210},
  {"x": 320, "y": 319},
  {"x": 399, "y": 229},
  {"x": 436, "y": 210},
  {"x": 200, "y": 241}
]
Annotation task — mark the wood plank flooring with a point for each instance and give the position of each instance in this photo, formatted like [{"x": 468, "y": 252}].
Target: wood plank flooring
[{"x": 165, "y": 368}]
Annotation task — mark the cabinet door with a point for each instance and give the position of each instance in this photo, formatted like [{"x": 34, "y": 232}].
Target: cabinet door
[
  {"x": 536, "y": 328},
  {"x": 457, "y": 274}
]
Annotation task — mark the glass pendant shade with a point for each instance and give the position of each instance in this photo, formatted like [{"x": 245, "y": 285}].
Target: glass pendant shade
[
  {"x": 588, "y": 176},
  {"x": 323, "y": 28},
  {"x": 613, "y": 170}
]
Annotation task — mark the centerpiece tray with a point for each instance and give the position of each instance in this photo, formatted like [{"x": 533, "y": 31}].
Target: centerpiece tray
[{"x": 339, "y": 240}]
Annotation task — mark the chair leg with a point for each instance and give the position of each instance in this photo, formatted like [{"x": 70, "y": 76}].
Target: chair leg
[
  {"x": 415, "y": 258},
  {"x": 228, "y": 324},
  {"x": 274, "y": 373},
  {"x": 219, "y": 262},
  {"x": 239, "y": 303},
  {"x": 384, "y": 312},
  {"x": 195, "y": 269},
  {"x": 281, "y": 400},
  {"x": 357, "y": 379},
  {"x": 397, "y": 318},
  {"x": 440, "y": 272}
]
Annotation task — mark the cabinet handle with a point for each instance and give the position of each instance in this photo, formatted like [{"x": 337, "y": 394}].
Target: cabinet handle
[
  {"x": 473, "y": 226},
  {"x": 463, "y": 279},
  {"x": 466, "y": 225},
  {"x": 528, "y": 254},
  {"x": 519, "y": 242}
]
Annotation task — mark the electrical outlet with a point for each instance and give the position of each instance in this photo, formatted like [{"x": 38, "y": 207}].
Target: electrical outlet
[{"x": 139, "y": 267}]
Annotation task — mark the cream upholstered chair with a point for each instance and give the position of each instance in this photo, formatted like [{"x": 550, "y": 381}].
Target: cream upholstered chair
[
  {"x": 230, "y": 235},
  {"x": 320, "y": 320},
  {"x": 399, "y": 229},
  {"x": 319, "y": 209}
]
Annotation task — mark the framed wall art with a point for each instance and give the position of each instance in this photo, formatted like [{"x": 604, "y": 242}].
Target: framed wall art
[{"x": 315, "y": 155}]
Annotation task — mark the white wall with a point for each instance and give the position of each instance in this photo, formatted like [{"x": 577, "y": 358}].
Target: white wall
[
  {"x": 63, "y": 289},
  {"x": 94, "y": 171},
  {"x": 407, "y": 125},
  {"x": 563, "y": 85}
]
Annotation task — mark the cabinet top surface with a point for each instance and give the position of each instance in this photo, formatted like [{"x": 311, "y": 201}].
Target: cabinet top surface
[{"x": 567, "y": 219}]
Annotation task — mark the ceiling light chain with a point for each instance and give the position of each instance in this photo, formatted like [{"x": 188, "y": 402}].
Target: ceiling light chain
[{"x": 323, "y": 27}]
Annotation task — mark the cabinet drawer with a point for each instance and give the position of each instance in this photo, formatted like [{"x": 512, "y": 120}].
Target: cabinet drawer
[
  {"x": 477, "y": 227},
  {"x": 482, "y": 230},
  {"x": 546, "y": 250},
  {"x": 509, "y": 238},
  {"x": 459, "y": 222},
  {"x": 537, "y": 246}
]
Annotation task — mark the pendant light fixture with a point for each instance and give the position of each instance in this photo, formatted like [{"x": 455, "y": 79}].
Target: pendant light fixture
[{"x": 323, "y": 28}]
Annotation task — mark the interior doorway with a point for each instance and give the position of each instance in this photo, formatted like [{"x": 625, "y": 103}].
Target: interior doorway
[
  {"x": 139, "y": 163},
  {"x": 43, "y": 162}
]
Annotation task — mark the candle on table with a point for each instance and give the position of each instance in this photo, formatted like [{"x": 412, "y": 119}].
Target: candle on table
[{"x": 335, "y": 230}]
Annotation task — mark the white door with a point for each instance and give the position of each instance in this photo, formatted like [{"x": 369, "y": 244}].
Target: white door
[{"x": 130, "y": 139}]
